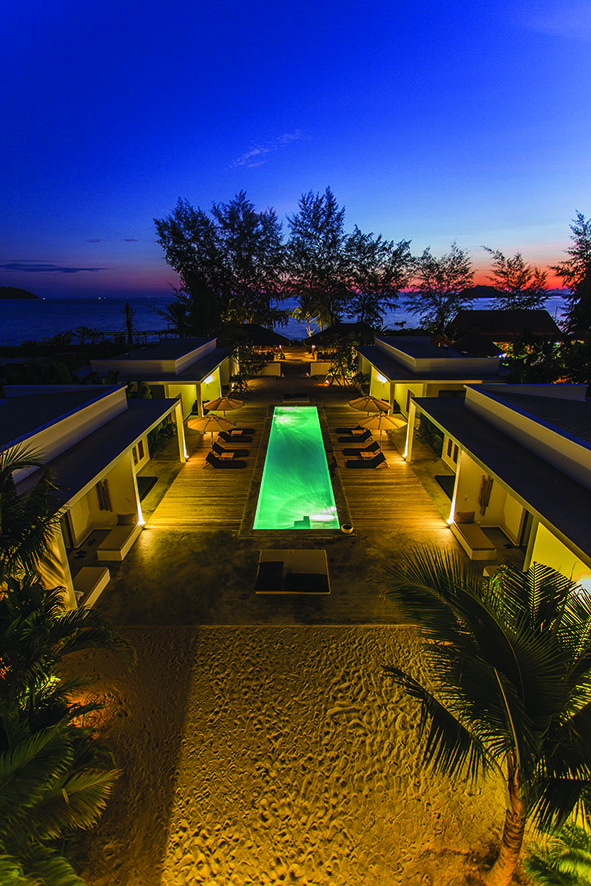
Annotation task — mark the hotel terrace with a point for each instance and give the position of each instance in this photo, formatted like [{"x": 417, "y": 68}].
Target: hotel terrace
[{"x": 517, "y": 462}]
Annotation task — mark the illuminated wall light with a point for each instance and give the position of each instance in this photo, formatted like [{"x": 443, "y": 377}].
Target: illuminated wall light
[
  {"x": 208, "y": 380},
  {"x": 381, "y": 378}
]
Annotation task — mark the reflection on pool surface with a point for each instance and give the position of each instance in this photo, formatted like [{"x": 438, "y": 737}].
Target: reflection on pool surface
[{"x": 296, "y": 492}]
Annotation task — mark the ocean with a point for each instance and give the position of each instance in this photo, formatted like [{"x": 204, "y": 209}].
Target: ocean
[{"x": 35, "y": 319}]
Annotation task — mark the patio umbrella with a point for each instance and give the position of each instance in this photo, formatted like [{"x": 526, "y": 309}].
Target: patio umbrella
[
  {"x": 211, "y": 423},
  {"x": 224, "y": 404},
  {"x": 381, "y": 422},
  {"x": 370, "y": 404}
]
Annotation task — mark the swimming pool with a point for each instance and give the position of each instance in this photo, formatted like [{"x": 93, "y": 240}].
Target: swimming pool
[{"x": 296, "y": 492}]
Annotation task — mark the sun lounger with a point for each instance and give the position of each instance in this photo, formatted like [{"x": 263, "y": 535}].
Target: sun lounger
[
  {"x": 231, "y": 438},
  {"x": 239, "y": 432},
  {"x": 372, "y": 448},
  {"x": 356, "y": 438},
  {"x": 292, "y": 572},
  {"x": 377, "y": 461},
  {"x": 356, "y": 430},
  {"x": 229, "y": 453},
  {"x": 216, "y": 462}
]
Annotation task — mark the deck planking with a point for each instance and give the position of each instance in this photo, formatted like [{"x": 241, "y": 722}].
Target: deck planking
[{"x": 388, "y": 499}]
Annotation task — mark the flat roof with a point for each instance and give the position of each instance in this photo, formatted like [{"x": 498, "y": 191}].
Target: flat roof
[
  {"x": 569, "y": 417},
  {"x": 167, "y": 350},
  {"x": 194, "y": 373},
  {"x": 395, "y": 371},
  {"x": 23, "y": 416},
  {"x": 563, "y": 503},
  {"x": 422, "y": 349},
  {"x": 79, "y": 466}
]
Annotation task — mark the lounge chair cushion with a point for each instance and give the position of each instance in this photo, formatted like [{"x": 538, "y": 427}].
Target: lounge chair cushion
[
  {"x": 306, "y": 583},
  {"x": 232, "y": 438},
  {"x": 374, "y": 462},
  {"x": 373, "y": 447},
  {"x": 216, "y": 462},
  {"x": 235, "y": 453},
  {"x": 269, "y": 576},
  {"x": 356, "y": 438}
]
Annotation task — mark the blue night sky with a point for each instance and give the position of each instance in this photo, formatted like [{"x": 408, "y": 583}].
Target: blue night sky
[{"x": 432, "y": 121}]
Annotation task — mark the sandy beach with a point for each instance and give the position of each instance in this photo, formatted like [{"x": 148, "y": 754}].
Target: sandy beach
[{"x": 267, "y": 755}]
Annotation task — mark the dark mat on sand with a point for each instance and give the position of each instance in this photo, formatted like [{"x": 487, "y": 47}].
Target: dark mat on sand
[
  {"x": 144, "y": 485},
  {"x": 446, "y": 481}
]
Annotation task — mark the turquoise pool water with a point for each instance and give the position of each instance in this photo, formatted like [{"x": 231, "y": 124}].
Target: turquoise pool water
[{"x": 296, "y": 492}]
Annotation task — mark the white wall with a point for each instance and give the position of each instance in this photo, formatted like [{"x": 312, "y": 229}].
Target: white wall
[
  {"x": 188, "y": 396},
  {"x": 552, "y": 552}
]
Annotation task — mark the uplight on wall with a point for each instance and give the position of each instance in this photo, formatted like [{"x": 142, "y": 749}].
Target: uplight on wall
[
  {"x": 208, "y": 380},
  {"x": 381, "y": 378}
]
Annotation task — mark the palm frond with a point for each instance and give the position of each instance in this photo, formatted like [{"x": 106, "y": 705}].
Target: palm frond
[
  {"x": 450, "y": 746},
  {"x": 27, "y": 771},
  {"x": 73, "y": 802},
  {"x": 12, "y": 874},
  {"x": 46, "y": 866}
]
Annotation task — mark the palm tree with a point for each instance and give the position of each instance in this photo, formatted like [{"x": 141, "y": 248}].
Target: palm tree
[
  {"x": 510, "y": 662},
  {"x": 50, "y": 786},
  {"x": 54, "y": 777},
  {"x": 27, "y": 520}
]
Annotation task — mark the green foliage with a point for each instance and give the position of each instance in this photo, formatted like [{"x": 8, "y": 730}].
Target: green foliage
[
  {"x": 230, "y": 263},
  {"x": 46, "y": 372},
  {"x": 573, "y": 269},
  {"x": 561, "y": 859},
  {"x": 377, "y": 270},
  {"x": 437, "y": 292},
  {"x": 54, "y": 777},
  {"x": 519, "y": 285},
  {"x": 509, "y": 660},
  {"x": 431, "y": 435},
  {"x": 250, "y": 364},
  {"x": 27, "y": 520}
]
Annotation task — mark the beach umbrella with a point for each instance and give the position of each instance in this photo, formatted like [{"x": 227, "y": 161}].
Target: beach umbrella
[
  {"x": 210, "y": 423},
  {"x": 224, "y": 404},
  {"x": 370, "y": 404},
  {"x": 382, "y": 422}
]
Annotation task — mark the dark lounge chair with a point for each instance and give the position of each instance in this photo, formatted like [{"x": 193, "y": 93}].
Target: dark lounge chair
[
  {"x": 239, "y": 432},
  {"x": 233, "y": 453},
  {"x": 351, "y": 431},
  {"x": 357, "y": 438},
  {"x": 231, "y": 438},
  {"x": 373, "y": 447},
  {"x": 375, "y": 462},
  {"x": 216, "y": 462}
]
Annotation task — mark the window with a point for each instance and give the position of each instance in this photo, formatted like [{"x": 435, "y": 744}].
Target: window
[
  {"x": 449, "y": 447},
  {"x": 455, "y": 455}
]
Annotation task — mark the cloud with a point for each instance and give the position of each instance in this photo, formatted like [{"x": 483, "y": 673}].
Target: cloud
[
  {"x": 40, "y": 267},
  {"x": 96, "y": 240},
  {"x": 129, "y": 240},
  {"x": 257, "y": 155},
  {"x": 569, "y": 19}
]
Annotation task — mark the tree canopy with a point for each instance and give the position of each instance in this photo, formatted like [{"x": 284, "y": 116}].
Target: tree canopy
[
  {"x": 519, "y": 284},
  {"x": 437, "y": 292},
  {"x": 230, "y": 262}
]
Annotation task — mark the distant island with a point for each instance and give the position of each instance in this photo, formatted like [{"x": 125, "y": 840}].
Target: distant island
[{"x": 14, "y": 292}]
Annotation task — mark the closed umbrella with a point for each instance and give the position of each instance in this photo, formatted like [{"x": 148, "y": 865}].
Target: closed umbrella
[
  {"x": 382, "y": 422},
  {"x": 370, "y": 404},
  {"x": 224, "y": 404},
  {"x": 211, "y": 423}
]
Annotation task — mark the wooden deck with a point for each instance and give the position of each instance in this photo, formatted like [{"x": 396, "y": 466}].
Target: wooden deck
[
  {"x": 390, "y": 499},
  {"x": 202, "y": 497}
]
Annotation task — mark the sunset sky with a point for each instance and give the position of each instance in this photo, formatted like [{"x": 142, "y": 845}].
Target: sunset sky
[{"x": 432, "y": 121}]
